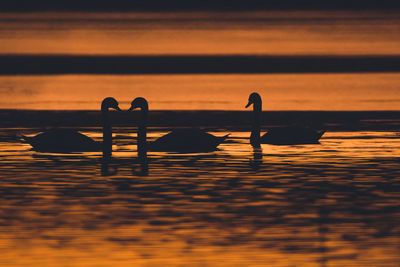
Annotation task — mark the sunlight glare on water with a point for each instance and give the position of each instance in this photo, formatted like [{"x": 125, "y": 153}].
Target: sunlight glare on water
[
  {"x": 329, "y": 204},
  {"x": 312, "y": 205}
]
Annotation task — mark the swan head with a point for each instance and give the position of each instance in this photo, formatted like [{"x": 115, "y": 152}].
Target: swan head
[
  {"x": 110, "y": 102},
  {"x": 253, "y": 98},
  {"x": 139, "y": 102}
]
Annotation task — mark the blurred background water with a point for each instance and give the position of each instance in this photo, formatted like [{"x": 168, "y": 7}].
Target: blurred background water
[
  {"x": 364, "y": 91},
  {"x": 273, "y": 33},
  {"x": 201, "y": 33}
]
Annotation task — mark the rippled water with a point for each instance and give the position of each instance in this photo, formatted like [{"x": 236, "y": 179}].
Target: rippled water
[{"x": 331, "y": 204}]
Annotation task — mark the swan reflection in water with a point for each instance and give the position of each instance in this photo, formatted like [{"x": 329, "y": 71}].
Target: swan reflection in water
[
  {"x": 195, "y": 163},
  {"x": 105, "y": 166},
  {"x": 256, "y": 161},
  {"x": 306, "y": 204},
  {"x": 141, "y": 166}
]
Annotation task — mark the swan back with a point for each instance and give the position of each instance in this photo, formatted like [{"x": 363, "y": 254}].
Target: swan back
[
  {"x": 62, "y": 141},
  {"x": 292, "y": 135},
  {"x": 186, "y": 141}
]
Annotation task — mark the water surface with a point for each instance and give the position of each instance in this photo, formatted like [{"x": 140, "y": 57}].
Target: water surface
[
  {"x": 314, "y": 205},
  {"x": 340, "y": 91},
  {"x": 200, "y": 33},
  {"x": 333, "y": 204}
]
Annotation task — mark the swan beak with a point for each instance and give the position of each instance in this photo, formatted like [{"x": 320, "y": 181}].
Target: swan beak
[
  {"x": 248, "y": 104},
  {"x": 117, "y": 108}
]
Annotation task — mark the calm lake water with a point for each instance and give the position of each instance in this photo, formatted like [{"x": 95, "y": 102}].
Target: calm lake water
[
  {"x": 363, "y": 91},
  {"x": 333, "y": 204},
  {"x": 200, "y": 33}
]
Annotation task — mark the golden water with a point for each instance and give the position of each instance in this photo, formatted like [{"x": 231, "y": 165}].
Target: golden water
[
  {"x": 357, "y": 91},
  {"x": 271, "y": 33},
  {"x": 333, "y": 204}
]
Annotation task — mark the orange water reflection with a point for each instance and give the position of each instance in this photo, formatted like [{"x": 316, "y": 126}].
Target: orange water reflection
[
  {"x": 289, "y": 32},
  {"x": 317, "y": 205},
  {"x": 368, "y": 91}
]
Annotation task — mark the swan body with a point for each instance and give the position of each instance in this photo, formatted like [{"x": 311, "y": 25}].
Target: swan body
[
  {"x": 62, "y": 140},
  {"x": 68, "y": 140},
  {"x": 291, "y": 135},
  {"x": 187, "y": 140},
  {"x": 183, "y": 140}
]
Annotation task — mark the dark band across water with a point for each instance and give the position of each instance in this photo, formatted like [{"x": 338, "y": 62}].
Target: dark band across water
[{"x": 193, "y": 64}]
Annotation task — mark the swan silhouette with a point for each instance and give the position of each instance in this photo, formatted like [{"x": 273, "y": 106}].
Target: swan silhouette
[
  {"x": 182, "y": 140},
  {"x": 291, "y": 135},
  {"x": 68, "y": 140}
]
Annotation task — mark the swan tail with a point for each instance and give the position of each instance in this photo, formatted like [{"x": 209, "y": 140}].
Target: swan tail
[
  {"x": 27, "y": 140},
  {"x": 226, "y": 136},
  {"x": 320, "y": 134},
  {"x": 24, "y": 139},
  {"x": 222, "y": 138}
]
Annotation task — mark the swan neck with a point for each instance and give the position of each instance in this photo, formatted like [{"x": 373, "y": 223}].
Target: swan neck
[
  {"x": 104, "y": 106},
  {"x": 142, "y": 133},
  {"x": 255, "y": 129},
  {"x": 107, "y": 132}
]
